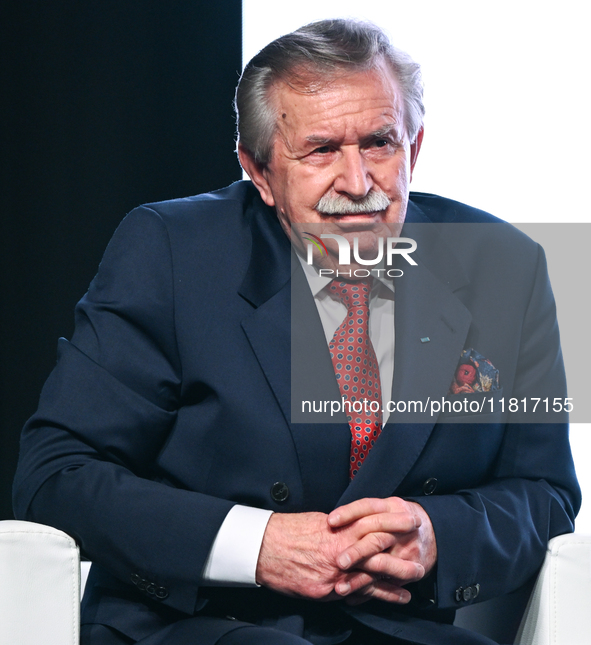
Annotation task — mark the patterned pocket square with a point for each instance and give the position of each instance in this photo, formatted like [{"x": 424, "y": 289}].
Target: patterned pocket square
[{"x": 474, "y": 374}]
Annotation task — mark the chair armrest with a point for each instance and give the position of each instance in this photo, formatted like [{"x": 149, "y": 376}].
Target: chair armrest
[
  {"x": 558, "y": 611},
  {"x": 40, "y": 590}
]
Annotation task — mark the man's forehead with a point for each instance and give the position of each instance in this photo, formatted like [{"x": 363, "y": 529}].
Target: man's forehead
[{"x": 309, "y": 96}]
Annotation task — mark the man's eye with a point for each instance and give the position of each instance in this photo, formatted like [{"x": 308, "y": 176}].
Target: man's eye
[
  {"x": 323, "y": 150},
  {"x": 380, "y": 143}
]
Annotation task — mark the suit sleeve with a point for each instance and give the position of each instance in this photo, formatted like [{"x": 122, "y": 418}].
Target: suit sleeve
[
  {"x": 492, "y": 539},
  {"x": 87, "y": 456}
]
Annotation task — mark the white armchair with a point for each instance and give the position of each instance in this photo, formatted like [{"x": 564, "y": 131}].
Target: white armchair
[
  {"x": 556, "y": 611},
  {"x": 40, "y": 593},
  {"x": 559, "y": 608}
]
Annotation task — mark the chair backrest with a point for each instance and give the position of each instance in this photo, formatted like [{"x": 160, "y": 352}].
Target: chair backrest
[{"x": 40, "y": 590}]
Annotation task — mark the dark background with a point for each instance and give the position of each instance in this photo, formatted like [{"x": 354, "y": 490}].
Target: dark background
[{"x": 104, "y": 106}]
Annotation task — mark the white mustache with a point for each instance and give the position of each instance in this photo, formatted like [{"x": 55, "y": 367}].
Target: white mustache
[{"x": 374, "y": 201}]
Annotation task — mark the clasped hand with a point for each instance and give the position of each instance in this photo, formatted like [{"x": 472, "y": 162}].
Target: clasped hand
[{"x": 370, "y": 548}]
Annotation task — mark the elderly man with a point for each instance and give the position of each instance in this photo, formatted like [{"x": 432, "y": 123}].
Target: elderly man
[{"x": 168, "y": 441}]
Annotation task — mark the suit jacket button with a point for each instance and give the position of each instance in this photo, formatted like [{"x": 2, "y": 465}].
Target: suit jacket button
[
  {"x": 459, "y": 594},
  {"x": 429, "y": 486},
  {"x": 161, "y": 593},
  {"x": 279, "y": 491},
  {"x": 468, "y": 594}
]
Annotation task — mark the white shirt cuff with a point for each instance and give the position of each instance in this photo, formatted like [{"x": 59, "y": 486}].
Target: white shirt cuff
[{"x": 234, "y": 554}]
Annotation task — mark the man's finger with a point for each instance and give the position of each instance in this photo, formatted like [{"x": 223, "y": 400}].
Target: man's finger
[
  {"x": 355, "y": 510},
  {"x": 385, "y": 565},
  {"x": 369, "y": 506},
  {"x": 381, "y": 590},
  {"x": 404, "y": 521},
  {"x": 353, "y": 582},
  {"x": 372, "y": 544}
]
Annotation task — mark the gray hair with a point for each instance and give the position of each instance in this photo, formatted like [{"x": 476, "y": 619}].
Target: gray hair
[{"x": 325, "y": 47}]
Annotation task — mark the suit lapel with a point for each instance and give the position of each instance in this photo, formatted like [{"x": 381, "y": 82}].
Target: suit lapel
[
  {"x": 266, "y": 286},
  {"x": 426, "y": 307},
  {"x": 273, "y": 283}
]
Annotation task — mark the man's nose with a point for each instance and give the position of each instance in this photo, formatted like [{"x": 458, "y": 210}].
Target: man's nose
[{"x": 353, "y": 176}]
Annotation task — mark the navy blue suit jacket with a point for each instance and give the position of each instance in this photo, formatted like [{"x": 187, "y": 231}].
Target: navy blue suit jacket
[{"x": 172, "y": 402}]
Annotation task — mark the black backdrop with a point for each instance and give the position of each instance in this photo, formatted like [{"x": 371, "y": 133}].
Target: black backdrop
[{"x": 105, "y": 105}]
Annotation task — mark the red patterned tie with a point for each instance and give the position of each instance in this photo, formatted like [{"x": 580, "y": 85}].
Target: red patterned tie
[{"x": 356, "y": 369}]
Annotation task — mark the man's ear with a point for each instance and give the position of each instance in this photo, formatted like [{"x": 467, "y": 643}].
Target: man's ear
[
  {"x": 258, "y": 174},
  {"x": 415, "y": 148}
]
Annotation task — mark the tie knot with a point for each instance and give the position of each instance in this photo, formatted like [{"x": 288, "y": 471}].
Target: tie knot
[{"x": 352, "y": 294}]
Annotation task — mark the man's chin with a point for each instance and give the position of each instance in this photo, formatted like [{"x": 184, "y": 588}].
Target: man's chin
[
  {"x": 361, "y": 238},
  {"x": 362, "y": 226},
  {"x": 366, "y": 242}
]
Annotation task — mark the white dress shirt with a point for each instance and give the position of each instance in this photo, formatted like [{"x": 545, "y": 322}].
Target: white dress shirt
[{"x": 234, "y": 554}]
